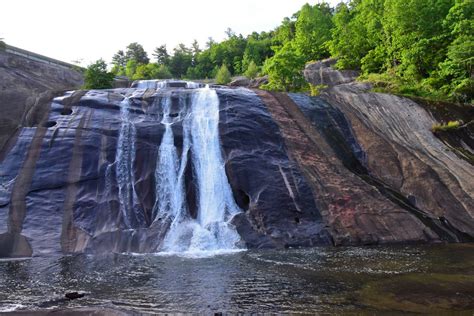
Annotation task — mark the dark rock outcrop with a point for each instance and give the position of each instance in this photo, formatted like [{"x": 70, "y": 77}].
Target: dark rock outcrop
[
  {"x": 395, "y": 133},
  {"x": 249, "y": 83},
  {"x": 22, "y": 83},
  {"x": 321, "y": 73},
  {"x": 347, "y": 168},
  {"x": 240, "y": 82}
]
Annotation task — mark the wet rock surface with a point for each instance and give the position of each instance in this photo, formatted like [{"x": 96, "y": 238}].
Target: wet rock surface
[
  {"x": 22, "y": 83},
  {"x": 60, "y": 184},
  {"x": 395, "y": 133},
  {"x": 347, "y": 168}
]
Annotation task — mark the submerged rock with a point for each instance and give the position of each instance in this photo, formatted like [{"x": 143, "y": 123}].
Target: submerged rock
[{"x": 74, "y": 295}]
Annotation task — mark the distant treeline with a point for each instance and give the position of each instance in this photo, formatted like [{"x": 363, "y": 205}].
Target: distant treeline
[{"x": 422, "y": 47}]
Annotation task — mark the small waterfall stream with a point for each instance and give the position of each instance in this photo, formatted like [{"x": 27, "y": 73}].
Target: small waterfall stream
[{"x": 124, "y": 166}]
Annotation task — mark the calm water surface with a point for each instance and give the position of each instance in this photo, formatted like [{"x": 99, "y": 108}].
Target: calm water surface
[{"x": 374, "y": 279}]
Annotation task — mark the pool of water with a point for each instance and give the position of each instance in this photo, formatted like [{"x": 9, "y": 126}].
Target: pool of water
[{"x": 434, "y": 278}]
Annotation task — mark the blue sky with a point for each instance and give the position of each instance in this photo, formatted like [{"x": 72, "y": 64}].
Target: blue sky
[{"x": 91, "y": 29}]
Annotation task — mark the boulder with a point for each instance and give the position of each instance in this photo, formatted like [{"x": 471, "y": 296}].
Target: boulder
[
  {"x": 258, "y": 82},
  {"x": 322, "y": 73},
  {"x": 240, "y": 82}
]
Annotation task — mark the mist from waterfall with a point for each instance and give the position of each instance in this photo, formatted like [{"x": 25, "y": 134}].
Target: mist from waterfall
[{"x": 211, "y": 231}]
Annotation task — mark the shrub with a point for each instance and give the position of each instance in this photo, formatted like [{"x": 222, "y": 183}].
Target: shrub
[
  {"x": 223, "y": 76},
  {"x": 315, "y": 90},
  {"x": 252, "y": 70},
  {"x": 452, "y": 125},
  {"x": 97, "y": 77}
]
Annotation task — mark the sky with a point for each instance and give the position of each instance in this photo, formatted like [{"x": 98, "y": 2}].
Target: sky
[{"x": 86, "y": 30}]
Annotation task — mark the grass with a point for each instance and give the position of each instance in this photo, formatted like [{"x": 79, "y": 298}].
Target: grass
[
  {"x": 315, "y": 90},
  {"x": 451, "y": 125},
  {"x": 393, "y": 84}
]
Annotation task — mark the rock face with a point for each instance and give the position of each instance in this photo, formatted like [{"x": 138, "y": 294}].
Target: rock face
[
  {"x": 321, "y": 73},
  {"x": 23, "y": 82},
  {"x": 347, "y": 168},
  {"x": 249, "y": 83}
]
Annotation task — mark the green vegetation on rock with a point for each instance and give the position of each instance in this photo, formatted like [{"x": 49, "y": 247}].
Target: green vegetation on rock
[
  {"x": 96, "y": 76},
  {"x": 451, "y": 125},
  {"x": 223, "y": 76},
  {"x": 252, "y": 70}
]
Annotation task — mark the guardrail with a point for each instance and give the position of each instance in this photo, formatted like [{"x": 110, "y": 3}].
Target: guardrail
[{"x": 37, "y": 57}]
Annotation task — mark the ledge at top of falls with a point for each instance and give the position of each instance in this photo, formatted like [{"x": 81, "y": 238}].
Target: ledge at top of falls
[
  {"x": 168, "y": 83},
  {"x": 346, "y": 168}
]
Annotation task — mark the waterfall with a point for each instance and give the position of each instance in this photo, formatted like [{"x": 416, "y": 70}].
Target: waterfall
[
  {"x": 170, "y": 169},
  {"x": 124, "y": 160},
  {"x": 211, "y": 231}
]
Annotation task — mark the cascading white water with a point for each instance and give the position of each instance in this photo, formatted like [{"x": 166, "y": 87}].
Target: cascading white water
[
  {"x": 124, "y": 160},
  {"x": 211, "y": 231},
  {"x": 170, "y": 169},
  {"x": 161, "y": 84}
]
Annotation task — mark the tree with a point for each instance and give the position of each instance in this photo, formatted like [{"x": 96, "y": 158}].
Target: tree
[
  {"x": 180, "y": 62},
  {"x": 223, "y": 76},
  {"x": 151, "y": 71},
  {"x": 285, "y": 69},
  {"x": 195, "y": 50},
  {"x": 229, "y": 32},
  {"x": 136, "y": 52},
  {"x": 161, "y": 55},
  {"x": 252, "y": 70},
  {"x": 413, "y": 36},
  {"x": 285, "y": 32},
  {"x": 210, "y": 42},
  {"x": 97, "y": 77},
  {"x": 2, "y": 44},
  {"x": 455, "y": 74},
  {"x": 357, "y": 31},
  {"x": 131, "y": 68},
  {"x": 119, "y": 59},
  {"x": 313, "y": 31},
  {"x": 257, "y": 49}
]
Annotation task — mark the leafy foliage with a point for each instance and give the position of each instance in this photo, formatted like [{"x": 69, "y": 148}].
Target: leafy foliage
[
  {"x": 313, "y": 31},
  {"x": 223, "y": 76},
  {"x": 417, "y": 47},
  {"x": 136, "y": 52},
  {"x": 451, "y": 125},
  {"x": 285, "y": 69},
  {"x": 252, "y": 70},
  {"x": 97, "y": 77}
]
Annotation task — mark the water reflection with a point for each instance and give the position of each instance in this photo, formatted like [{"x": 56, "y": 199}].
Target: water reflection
[{"x": 316, "y": 280}]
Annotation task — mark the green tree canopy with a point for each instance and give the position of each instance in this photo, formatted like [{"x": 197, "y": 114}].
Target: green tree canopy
[
  {"x": 285, "y": 69},
  {"x": 161, "y": 55},
  {"x": 313, "y": 31},
  {"x": 136, "y": 52},
  {"x": 97, "y": 77}
]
